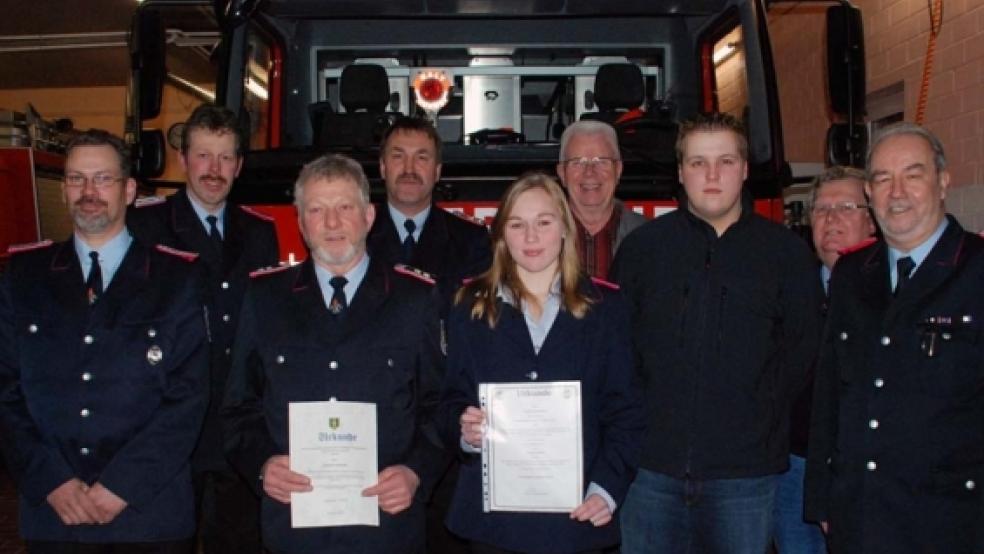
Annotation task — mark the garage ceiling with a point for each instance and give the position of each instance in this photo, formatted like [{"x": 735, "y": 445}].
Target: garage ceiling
[{"x": 30, "y": 26}]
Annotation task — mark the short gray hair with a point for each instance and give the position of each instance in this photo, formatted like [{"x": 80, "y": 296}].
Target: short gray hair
[
  {"x": 332, "y": 167},
  {"x": 838, "y": 173},
  {"x": 906, "y": 128},
  {"x": 588, "y": 127}
]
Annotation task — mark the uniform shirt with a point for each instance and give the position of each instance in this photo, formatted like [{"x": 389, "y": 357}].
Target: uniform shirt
[
  {"x": 918, "y": 254},
  {"x": 354, "y": 276},
  {"x": 399, "y": 220},
  {"x": 202, "y": 213},
  {"x": 110, "y": 255}
]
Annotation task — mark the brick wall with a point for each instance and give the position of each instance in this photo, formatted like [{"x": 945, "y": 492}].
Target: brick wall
[{"x": 896, "y": 35}]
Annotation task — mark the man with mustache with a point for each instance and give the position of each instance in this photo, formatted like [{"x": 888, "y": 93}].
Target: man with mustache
[
  {"x": 896, "y": 458},
  {"x": 103, "y": 373},
  {"x": 726, "y": 324},
  {"x": 231, "y": 241},
  {"x": 589, "y": 168},
  {"x": 410, "y": 228},
  {"x": 841, "y": 221},
  {"x": 346, "y": 326}
]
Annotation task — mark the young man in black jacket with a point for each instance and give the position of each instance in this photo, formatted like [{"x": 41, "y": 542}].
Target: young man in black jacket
[{"x": 726, "y": 316}]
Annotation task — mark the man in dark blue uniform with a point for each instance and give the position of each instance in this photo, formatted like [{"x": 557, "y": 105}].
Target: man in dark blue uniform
[
  {"x": 411, "y": 229},
  {"x": 103, "y": 380},
  {"x": 339, "y": 326},
  {"x": 896, "y": 459},
  {"x": 231, "y": 241}
]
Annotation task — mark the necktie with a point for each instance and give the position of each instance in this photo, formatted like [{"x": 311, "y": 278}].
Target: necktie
[
  {"x": 94, "y": 282},
  {"x": 409, "y": 243},
  {"x": 904, "y": 267},
  {"x": 213, "y": 231},
  {"x": 338, "y": 302}
]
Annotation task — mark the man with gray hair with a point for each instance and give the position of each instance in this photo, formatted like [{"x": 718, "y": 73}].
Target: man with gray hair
[
  {"x": 589, "y": 168},
  {"x": 339, "y": 326},
  {"x": 896, "y": 459}
]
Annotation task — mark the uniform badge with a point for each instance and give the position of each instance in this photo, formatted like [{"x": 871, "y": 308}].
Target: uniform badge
[{"x": 155, "y": 355}]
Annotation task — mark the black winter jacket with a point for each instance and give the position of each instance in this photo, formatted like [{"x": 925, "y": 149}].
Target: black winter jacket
[{"x": 724, "y": 330}]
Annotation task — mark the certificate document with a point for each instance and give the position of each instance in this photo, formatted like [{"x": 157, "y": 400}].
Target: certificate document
[
  {"x": 532, "y": 456},
  {"x": 334, "y": 444}
]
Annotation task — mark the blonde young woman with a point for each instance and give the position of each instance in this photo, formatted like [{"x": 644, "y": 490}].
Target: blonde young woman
[{"x": 535, "y": 316}]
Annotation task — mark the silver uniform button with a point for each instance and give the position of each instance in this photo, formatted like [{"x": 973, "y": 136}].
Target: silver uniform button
[
  {"x": 946, "y": 336},
  {"x": 879, "y": 382},
  {"x": 872, "y": 465},
  {"x": 84, "y": 451},
  {"x": 225, "y": 284},
  {"x": 151, "y": 333},
  {"x": 885, "y": 341},
  {"x": 332, "y": 399},
  {"x": 86, "y": 376},
  {"x": 970, "y": 485},
  {"x": 84, "y": 412},
  {"x": 873, "y": 424},
  {"x": 843, "y": 335},
  {"x": 228, "y": 351},
  {"x": 389, "y": 362},
  {"x": 88, "y": 339},
  {"x": 226, "y": 318},
  {"x": 333, "y": 365},
  {"x": 280, "y": 359},
  {"x": 532, "y": 375},
  {"x": 32, "y": 328}
]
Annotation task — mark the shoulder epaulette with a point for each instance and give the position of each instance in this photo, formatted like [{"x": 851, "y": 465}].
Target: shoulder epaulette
[
  {"x": 146, "y": 201},
  {"x": 859, "y": 246},
  {"x": 27, "y": 247},
  {"x": 604, "y": 283},
  {"x": 418, "y": 274},
  {"x": 183, "y": 254},
  {"x": 257, "y": 213},
  {"x": 268, "y": 271},
  {"x": 470, "y": 219}
]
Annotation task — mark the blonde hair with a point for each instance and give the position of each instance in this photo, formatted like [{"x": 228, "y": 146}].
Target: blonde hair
[{"x": 503, "y": 272}]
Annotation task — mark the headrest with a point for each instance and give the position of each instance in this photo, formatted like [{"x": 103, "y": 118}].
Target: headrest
[
  {"x": 618, "y": 86},
  {"x": 364, "y": 87}
]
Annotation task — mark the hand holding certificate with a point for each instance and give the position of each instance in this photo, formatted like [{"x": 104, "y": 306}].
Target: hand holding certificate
[
  {"x": 532, "y": 457},
  {"x": 334, "y": 444}
]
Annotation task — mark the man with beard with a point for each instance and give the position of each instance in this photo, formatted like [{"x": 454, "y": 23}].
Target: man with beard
[
  {"x": 340, "y": 326},
  {"x": 103, "y": 373},
  {"x": 841, "y": 221},
  {"x": 896, "y": 460},
  {"x": 589, "y": 168},
  {"x": 231, "y": 241},
  {"x": 411, "y": 229}
]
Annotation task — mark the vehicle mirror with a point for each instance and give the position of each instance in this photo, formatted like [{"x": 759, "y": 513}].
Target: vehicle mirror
[
  {"x": 149, "y": 161},
  {"x": 847, "y": 144},
  {"x": 147, "y": 58},
  {"x": 845, "y": 60}
]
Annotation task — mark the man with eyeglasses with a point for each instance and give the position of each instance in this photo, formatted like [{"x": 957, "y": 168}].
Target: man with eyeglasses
[
  {"x": 896, "y": 458},
  {"x": 841, "y": 221},
  {"x": 589, "y": 168},
  {"x": 231, "y": 241},
  {"x": 726, "y": 322},
  {"x": 103, "y": 373}
]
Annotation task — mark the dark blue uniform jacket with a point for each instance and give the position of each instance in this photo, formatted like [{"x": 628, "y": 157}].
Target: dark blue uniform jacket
[{"x": 114, "y": 392}]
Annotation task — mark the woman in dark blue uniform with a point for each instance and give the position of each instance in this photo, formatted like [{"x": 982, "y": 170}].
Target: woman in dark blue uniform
[{"x": 534, "y": 316}]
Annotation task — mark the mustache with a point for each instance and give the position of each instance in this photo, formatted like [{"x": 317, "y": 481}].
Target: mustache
[
  {"x": 92, "y": 200},
  {"x": 217, "y": 178},
  {"x": 410, "y": 177}
]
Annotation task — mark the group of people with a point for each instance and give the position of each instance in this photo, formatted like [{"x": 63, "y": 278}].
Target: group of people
[{"x": 738, "y": 390}]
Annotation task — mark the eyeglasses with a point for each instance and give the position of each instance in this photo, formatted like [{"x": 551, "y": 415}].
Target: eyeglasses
[
  {"x": 596, "y": 163},
  {"x": 837, "y": 208},
  {"x": 99, "y": 180}
]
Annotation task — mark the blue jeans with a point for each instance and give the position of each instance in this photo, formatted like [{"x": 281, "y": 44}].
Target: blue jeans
[
  {"x": 793, "y": 535},
  {"x": 664, "y": 515}
]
